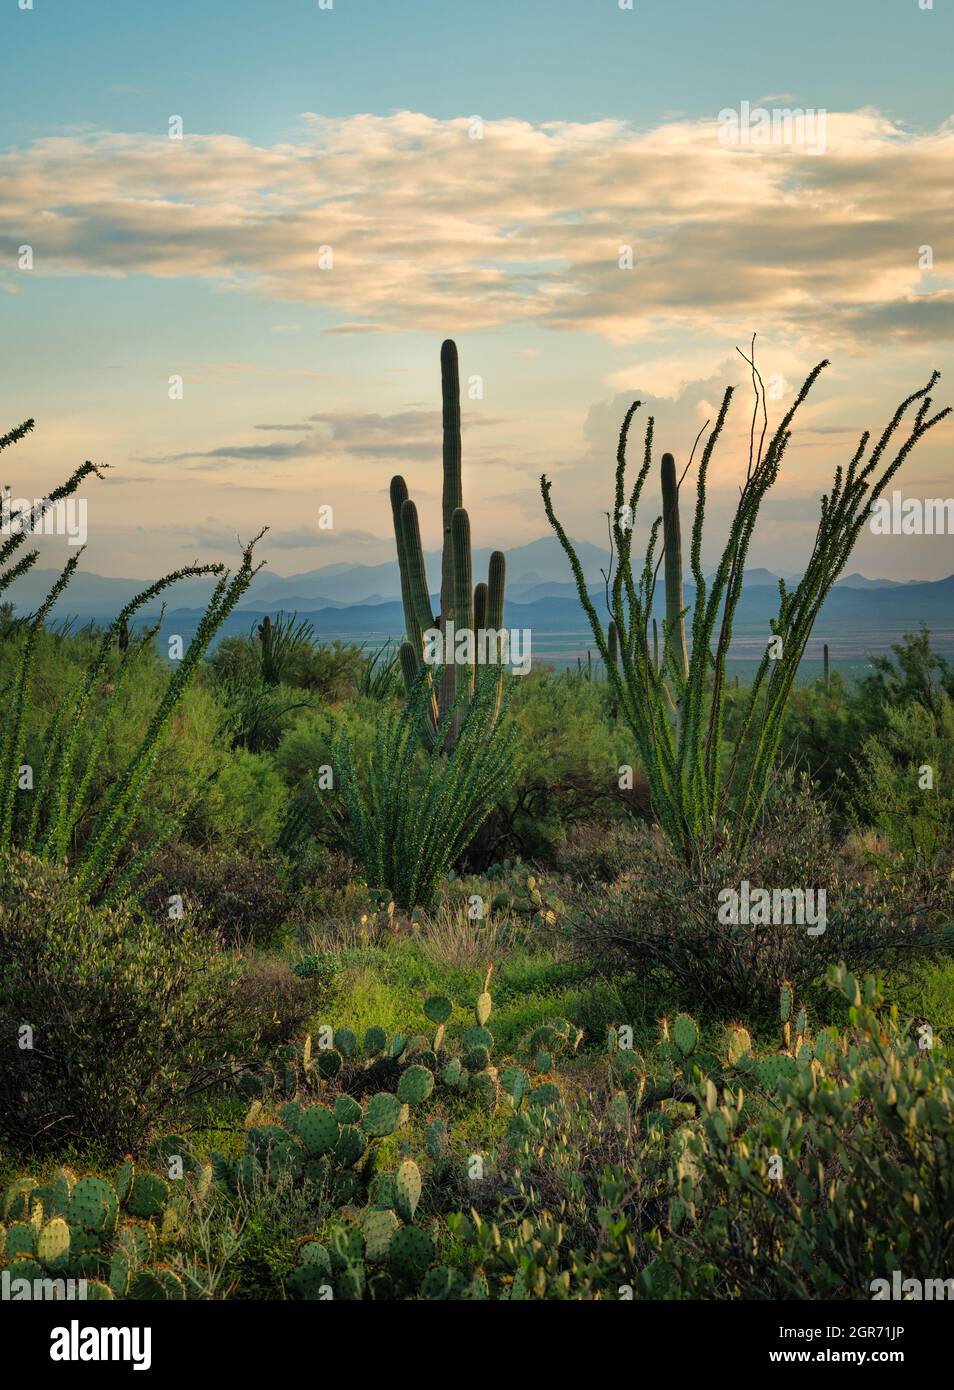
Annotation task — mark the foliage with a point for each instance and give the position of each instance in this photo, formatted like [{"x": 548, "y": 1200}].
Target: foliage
[
  {"x": 676, "y": 712},
  {"x": 845, "y": 1179},
  {"x": 472, "y": 611},
  {"x": 906, "y": 780},
  {"x": 665, "y": 915},
  {"x": 567, "y": 756},
  {"x": 106, "y": 1231},
  {"x": 238, "y": 898},
  {"x": 280, "y": 642},
  {"x": 59, "y": 794},
  {"x": 124, "y": 1019},
  {"x": 407, "y": 834}
]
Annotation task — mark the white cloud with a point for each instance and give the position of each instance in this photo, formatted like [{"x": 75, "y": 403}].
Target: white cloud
[{"x": 430, "y": 228}]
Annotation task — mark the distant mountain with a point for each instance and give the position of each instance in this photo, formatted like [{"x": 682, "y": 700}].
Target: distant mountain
[
  {"x": 540, "y": 562},
  {"x": 94, "y": 596},
  {"x": 847, "y": 612},
  {"x": 348, "y": 598},
  {"x": 859, "y": 581}
]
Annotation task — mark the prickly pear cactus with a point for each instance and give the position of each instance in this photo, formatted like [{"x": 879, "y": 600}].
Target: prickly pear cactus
[
  {"x": 738, "y": 1045},
  {"x": 410, "y": 1253},
  {"x": 375, "y": 1041},
  {"x": 685, "y": 1033},
  {"x": 407, "y": 1189},
  {"x": 415, "y": 1085},
  {"x": 438, "y": 1009},
  {"x": 318, "y": 1129},
  {"x": 383, "y": 1114},
  {"x": 378, "y": 1228}
]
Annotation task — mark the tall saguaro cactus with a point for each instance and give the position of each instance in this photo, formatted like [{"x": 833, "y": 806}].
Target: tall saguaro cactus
[{"x": 473, "y": 611}]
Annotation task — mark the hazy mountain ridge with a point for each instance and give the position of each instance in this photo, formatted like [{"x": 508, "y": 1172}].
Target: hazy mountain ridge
[{"x": 536, "y": 573}]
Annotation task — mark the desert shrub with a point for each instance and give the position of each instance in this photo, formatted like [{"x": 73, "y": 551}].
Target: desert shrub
[
  {"x": 127, "y": 1018},
  {"x": 320, "y": 869},
  {"x": 411, "y": 823},
  {"x": 846, "y": 1179},
  {"x": 332, "y": 670},
  {"x": 567, "y": 753},
  {"x": 258, "y": 714},
  {"x": 914, "y": 673},
  {"x": 209, "y": 792},
  {"x": 283, "y": 651},
  {"x": 237, "y": 897},
  {"x": 666, "y": 914},
  {"x": 326, "y": 887},
  {"x": 824, "y": 728},
  {"x": 282, "y": 998},
  {"x": 599, "y": 851},
  {"x": 893, "y": 772}
]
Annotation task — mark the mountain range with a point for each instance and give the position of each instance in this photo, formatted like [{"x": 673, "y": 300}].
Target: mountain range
[
  {"x": 362, "y": 604},
  {"x": 537, "y": 573}
]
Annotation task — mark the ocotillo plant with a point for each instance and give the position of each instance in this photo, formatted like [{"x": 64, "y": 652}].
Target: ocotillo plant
[
  {"x": 472, "y": 610},
  {"x": 695, "y": 798},
  {"x": 59, "y": 797},
  {"x": 407, "y": 834},
  {"x": 672, "y": 543}
]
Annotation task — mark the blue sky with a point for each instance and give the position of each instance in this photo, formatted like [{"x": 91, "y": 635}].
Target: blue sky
[
  {"x": 247, "y": 66},
  {"x": 198, "y": 258}
]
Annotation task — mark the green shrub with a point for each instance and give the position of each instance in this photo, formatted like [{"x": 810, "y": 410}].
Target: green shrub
[
  {"x": 237, "y": 897},
  {"x": 600, "y": 851},
  {"x": 280, "y": 998},
  {"x": 567, "y": 753},
  {"x": 126, "y": 1018},
  {"x": 664, "y": 914},
  {"x": 846, "y": 1178},
  {"x": 408, "y": 827},
  {"x": 906, "y": 781}
]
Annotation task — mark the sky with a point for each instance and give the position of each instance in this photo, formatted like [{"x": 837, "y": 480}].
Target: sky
[{"x": 549, "y": 182}]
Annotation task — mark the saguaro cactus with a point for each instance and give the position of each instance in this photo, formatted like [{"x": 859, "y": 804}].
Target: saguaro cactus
[{"x": 473, "y": 611}]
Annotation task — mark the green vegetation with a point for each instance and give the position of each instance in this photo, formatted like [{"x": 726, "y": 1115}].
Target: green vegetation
[
  {"x": 674, "y": 705},
  {"x": 470, "y": 610},
  {"x": 318, "y": 984}
]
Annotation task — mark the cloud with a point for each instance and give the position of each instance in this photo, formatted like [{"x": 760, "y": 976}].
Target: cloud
[
  {"x": 407, "y": 434},
  {"x": 429, "y": 227}
]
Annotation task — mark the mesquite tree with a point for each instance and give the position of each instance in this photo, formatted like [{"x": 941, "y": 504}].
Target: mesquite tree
[{"x": 674, "y": 704}]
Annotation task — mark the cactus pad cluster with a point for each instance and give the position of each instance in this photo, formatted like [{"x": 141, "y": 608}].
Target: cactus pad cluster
[{"x": 106, "y": 1232}]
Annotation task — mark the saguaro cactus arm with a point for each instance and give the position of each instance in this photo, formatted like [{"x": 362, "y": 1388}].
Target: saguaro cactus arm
[
  {"x": 398, "y": 498},
  {"x": 463, "y": 597},
  {"x": 414, "y": 559}
]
